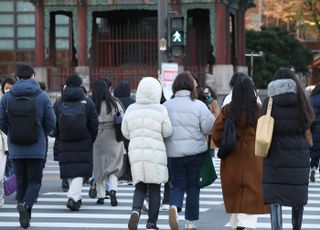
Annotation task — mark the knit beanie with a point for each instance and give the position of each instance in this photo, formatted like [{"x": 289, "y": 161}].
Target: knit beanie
[{"x": 74, "y": 80}]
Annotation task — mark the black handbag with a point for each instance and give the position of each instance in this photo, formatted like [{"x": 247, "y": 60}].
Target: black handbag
[
  {"x": 229, "y": 138},
  {"x": 117, "y": 125},
  {"x": 207, "y": 174}
]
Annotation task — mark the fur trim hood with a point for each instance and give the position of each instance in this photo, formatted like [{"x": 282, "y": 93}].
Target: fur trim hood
[{"x": 281, "y": 86}]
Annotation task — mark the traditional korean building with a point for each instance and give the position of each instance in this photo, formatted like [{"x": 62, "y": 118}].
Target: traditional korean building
[{"x": 118, "y": 39}]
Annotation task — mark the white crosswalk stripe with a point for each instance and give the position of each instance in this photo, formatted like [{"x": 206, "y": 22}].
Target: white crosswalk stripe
[
  {"x": 311, "y": 214},
  {"x": 50, "y": 212}
]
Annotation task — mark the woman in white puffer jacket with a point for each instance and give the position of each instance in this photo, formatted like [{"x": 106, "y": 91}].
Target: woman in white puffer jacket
[{"x": 145, "y": 124}]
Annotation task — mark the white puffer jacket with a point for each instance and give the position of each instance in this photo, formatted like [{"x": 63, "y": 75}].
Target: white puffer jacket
[{"x": 145, "y": 124}]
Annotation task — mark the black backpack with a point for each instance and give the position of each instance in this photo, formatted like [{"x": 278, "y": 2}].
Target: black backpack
[
  {"x": 229, "y": 138},
  {"x": 24, "y": 126},
  {"x": 73, "y": 121}
]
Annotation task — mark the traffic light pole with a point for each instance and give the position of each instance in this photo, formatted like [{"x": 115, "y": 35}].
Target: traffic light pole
[{"x": 162, "y": 30}]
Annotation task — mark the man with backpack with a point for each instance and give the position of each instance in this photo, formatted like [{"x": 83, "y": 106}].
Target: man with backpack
[
  {"x": 27, "y": 117},
  {"x": 76, "y": 130}
]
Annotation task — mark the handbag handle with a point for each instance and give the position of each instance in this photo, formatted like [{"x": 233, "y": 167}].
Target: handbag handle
[
  {"x": 269, "y": 107},
  {"x": 209, "y": 141}
]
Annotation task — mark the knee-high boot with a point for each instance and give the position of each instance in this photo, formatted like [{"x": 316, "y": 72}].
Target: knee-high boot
[
  {"x": 297, "y": 214},
  {"x": 276, "y": 216}
]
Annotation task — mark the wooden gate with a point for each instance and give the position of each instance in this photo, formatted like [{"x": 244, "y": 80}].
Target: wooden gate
[{"x": 124, "y": 42}]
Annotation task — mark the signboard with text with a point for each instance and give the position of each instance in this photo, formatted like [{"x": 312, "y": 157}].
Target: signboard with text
[{"x": 169, "y": 72}]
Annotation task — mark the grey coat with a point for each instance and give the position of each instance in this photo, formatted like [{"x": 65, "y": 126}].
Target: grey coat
[
  {"x": 191, "y": 120},
  {"x": 107, "y": 151}
]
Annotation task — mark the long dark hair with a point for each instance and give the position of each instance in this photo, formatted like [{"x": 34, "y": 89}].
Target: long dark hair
[
  {"x": 244, "y": 100},
  {"x": 305, "y": 106},
  {"x": 101, "y": 92}
]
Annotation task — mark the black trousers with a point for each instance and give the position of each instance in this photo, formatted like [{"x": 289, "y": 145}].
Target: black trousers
[{"x": 29, "y": 176}]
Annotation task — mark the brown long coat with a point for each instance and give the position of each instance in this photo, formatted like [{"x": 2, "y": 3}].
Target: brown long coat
[{"x": 241, "y": 171}]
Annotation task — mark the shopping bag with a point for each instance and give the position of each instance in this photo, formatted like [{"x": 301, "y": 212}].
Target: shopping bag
[
  {"x": 207, "y": 173},
  {"x": 10, "y": 185},
  {"x": 264, "y": 132}
]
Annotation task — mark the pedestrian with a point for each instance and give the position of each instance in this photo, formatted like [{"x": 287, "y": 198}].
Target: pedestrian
[
  {"x": 228, "y": 97},
  {"x": 26, "y": 114},
  {"x": 286, "y": 168},
  {"x": 107, "y": 150},
  {"x": 211, "y": 100},
  {"x": 315, "y": 130},
  {"x": 76, "y": 130},
  {"x": 145, "y": 124},
  {"x": 122, "y": 91},
  {"x": 165, "y": 203},
  {"x": 6, "y": 167},
  {"x": 241, "y": 186},
  {"x": 191, "y": 120}
]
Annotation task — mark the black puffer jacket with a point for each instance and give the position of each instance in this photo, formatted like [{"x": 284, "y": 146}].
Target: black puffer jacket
[
  {"x": 286, "y": 168},
  {"x": 123, "y": 92},
  {"x": 315, "y": 128},
  {"x": 75, "y": 157}
]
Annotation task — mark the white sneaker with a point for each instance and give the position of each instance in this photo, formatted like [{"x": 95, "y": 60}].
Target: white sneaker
[
  {"x": 190, "y": 226},
  {"x": 165, "y": 207},
  {"x": 173, "y": 218}
]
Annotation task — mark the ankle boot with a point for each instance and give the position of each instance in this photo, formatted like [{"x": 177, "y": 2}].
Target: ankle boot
[
  {"x": 297, "y": 214},
  {"x": 113, "y": 198},
  {"x": 276, "y": 216}
]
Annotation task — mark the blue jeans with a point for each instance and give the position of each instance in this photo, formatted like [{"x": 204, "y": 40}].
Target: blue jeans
[
  {"x": 29, "y": 176},
  {"x": 154, "y": 200},
  {"x": 184, "y": 173}
]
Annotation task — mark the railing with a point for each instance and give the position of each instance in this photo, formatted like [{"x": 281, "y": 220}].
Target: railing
[
  {"x": 199, "y": 71},
  {"x": 132, "y": 74}
]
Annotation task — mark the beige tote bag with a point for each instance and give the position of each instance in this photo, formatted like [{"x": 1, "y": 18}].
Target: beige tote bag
[{"x": 264, "y": 132}]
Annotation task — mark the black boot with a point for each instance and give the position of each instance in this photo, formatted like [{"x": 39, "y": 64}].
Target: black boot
[
  {"x": 24, "y": 215},
  {"x": 65, "y": 185},
  {"x": 297, "y": 214},
  {"x": 276, "y": 216},
  {"x": 113, "y": 198}
]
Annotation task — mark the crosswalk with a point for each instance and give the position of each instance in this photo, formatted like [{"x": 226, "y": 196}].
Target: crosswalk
[{"x": 50, "y": 211}]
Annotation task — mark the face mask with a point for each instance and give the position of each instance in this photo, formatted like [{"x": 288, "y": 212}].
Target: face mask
[
  {"x": 6, "y": 90},
  {"x": 209, "y": 99}
]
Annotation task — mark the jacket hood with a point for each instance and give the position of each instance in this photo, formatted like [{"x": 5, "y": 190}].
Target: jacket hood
[
  {"x": 25, "y": 87},
  {"x": 281, "y": 86},
  {"x": 149, "y": 91},
  {"x": 72, "y": 93},
  {"x": 122, "y": 89}
]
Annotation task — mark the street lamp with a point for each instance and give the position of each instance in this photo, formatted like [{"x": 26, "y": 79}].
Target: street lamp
[{"x": 251, "y": 55}]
